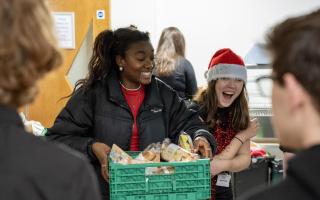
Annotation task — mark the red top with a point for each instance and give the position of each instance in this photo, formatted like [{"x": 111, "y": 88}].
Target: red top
[{"x": 134, "y": 99}]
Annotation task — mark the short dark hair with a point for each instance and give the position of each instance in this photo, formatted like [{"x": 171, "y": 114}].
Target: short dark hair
[{"x": 295, "y": 47}]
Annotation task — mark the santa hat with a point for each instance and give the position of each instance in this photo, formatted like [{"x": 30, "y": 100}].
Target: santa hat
[{"x": 226, "y": 64}]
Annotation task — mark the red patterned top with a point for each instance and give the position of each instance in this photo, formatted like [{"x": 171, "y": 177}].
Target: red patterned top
[{"x": 223, "y": 134}]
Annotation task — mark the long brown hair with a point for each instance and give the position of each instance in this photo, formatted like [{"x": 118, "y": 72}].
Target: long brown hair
[
  {"x": 207, "y": 99},
  {"x": 28, "y": 49},
  {"x": 171, "y": 47}
]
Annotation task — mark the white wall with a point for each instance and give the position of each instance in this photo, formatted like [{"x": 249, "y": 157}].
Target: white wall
[
  {"x": 79, "y": 67},
  {"x": 208, "y": 24}
]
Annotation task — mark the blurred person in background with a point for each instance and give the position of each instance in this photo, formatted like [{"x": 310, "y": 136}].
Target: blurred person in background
[
  {"x": 29, "y": 167},
  {"x": 295, "y": 49},
  {"x": 171, "y": 65}
]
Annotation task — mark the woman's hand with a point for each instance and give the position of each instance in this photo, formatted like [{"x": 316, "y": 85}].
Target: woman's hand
[
  {"x": 251, "y": 131},
  {"x": 101, "y": 151},
  {"x": 202, "y": 146}
]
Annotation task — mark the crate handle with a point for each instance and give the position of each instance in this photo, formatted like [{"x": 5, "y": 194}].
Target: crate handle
[
  {"x": 174, "y": 185},
  {"x": 149, "y": 171},
  {"x": 147, "y": 185}
]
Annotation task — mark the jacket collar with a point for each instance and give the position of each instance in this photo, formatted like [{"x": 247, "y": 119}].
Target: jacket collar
[
  {"x": 152, "y": 96},
  {"x": 9, "y": 116},
  {"x": 113, "y": 89}
]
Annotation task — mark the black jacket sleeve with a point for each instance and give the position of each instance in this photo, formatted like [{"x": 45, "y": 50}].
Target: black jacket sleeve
[{"x": 73, "y": 126}]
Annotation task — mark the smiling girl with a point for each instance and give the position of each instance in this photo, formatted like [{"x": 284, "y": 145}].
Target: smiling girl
[{"x": 224, "y": 108}]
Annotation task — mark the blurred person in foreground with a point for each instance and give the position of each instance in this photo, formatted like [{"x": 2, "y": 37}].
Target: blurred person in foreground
[
  {"x": 29, "y": 167},
  {"x": 295, "y": 48}
]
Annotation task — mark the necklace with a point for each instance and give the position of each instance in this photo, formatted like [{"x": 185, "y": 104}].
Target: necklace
[
  {"x": 134, "y": 97},
  {"x": 135, "y": 89}
]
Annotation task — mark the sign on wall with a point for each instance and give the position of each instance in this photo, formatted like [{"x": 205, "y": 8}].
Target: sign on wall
[
  {"x": 65, "y": 29},
  {"x": 100, "y": 14}
]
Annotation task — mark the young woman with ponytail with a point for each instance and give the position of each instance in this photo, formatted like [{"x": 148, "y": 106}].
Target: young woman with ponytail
[{"x": 120, "y": 102}]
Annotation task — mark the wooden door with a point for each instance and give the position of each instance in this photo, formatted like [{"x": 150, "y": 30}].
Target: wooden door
[{"x": 56, "y": 85}]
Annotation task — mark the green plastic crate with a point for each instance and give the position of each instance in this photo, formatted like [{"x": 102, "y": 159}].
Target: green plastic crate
[{"x": 189, "y": 181}]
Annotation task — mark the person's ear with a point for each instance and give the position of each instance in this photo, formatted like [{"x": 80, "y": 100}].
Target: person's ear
[
  {"x": 296, "y": 93},
  {"x": 120, "y": 61}
]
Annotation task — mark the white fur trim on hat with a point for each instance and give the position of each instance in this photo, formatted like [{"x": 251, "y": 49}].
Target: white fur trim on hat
[{"x": 227, "y": 71}]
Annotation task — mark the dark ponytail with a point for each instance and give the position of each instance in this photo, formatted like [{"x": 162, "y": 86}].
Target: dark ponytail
[{"x": 101, "y": 61}]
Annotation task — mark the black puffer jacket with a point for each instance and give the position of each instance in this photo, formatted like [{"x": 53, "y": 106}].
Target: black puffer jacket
[{"x": 102, "y": 114}]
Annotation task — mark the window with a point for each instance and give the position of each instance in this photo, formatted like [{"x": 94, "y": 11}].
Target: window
[{"x": 260, "y": 105}]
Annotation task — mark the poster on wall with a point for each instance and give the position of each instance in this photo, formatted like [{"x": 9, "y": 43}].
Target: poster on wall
[{"x": 65, "y": 29}]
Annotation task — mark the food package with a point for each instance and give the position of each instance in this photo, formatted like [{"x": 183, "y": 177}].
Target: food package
[
  {"x": 171, "y": 152},
  {"x": 159, "y": 170},
  {"x": 151, "y": 153},
  {"x": 257, "y": 150},
  {"x": 33, "y": 127},
  {"x": 185, "y": 142},
  {"x": 117, "y": 155}
]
